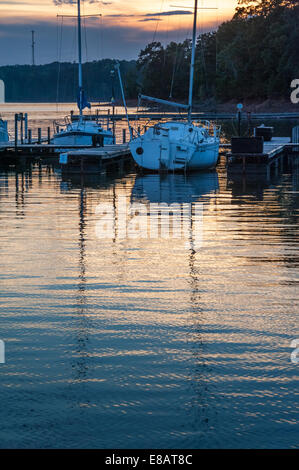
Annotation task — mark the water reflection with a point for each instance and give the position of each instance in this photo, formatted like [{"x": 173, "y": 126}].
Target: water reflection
[
  {"x": 148, "y": 342},
  {"x": 82, "y": 337},
  {"x": 172, "y": 188}
]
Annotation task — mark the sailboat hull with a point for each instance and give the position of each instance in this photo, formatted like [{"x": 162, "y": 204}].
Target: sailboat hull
[
  {"x": 175, "y": 147},
  {"x": 84, "y": 134}
]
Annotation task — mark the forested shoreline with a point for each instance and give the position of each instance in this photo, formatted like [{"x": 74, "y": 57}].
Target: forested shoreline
[
  {"x": 254, "y": 56},
  {"x": 58, "y": 82}
]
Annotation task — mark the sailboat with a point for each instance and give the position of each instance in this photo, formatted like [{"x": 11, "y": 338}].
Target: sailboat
[
  {"x": 178, "y": 145},
  {"x": 82, "y": 132}
]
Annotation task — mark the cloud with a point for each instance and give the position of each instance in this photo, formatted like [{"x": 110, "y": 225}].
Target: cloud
[
  {"x": 61, "y": 2},
  {"x": 73, "y": 2},
  {"x": 170, "y": 13},
  {"x": 108, "y": 39},
  {"x": 149, "y": 19},
  {"x": 152, "y": 16}
]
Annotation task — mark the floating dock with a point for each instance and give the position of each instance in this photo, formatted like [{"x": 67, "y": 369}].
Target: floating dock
[
  {"x": 261, "y": 163},
  {"x": 10, "y": 149},
  {"x": 95, "y": 160}
]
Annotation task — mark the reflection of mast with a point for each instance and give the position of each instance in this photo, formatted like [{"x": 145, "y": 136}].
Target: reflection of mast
[
  {"x": 82, "y": 203},
  {"x": 201, "y": 402},
  {"x": 82, "y": 327}
]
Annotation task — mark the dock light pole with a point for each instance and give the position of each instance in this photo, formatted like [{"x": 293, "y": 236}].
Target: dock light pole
[{"x": 239, "y": 108}]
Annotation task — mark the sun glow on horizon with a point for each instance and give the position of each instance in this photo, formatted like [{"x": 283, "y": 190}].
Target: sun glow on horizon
[
  {"x": 123, "y": 30},
  {"x": 157, "y": 14}
]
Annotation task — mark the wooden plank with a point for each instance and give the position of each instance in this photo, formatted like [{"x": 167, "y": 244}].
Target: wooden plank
[{"x": 109, "y": 151}]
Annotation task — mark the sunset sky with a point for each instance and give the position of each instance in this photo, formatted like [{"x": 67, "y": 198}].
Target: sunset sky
[{"x": 124, "y": 28}]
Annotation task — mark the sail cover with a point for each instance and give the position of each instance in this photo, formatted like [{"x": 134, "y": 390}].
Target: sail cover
[{"x": 84, "y": 103}]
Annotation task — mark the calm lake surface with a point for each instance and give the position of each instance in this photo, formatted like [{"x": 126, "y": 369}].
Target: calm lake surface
[{"x": 147, "y": 341}]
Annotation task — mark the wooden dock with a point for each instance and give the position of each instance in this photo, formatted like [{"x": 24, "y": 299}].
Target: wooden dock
[
  {"x": 262, "y": 163},
  {"x": 95, "y": 160},
  {"x": 158, "y": 115},
  {"x": 9, "y": 148}
]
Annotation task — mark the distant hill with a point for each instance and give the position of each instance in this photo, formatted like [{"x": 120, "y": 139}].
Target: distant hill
[{"x": 59, "y": 81}]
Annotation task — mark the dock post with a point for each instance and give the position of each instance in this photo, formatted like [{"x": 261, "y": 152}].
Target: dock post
[
  {"x": 113, "y": 123},
  {"x": 29, "y": 136},
  {"x": 22, "y": 128},
  {"x": 26, "y": 126},
  {"x": 39, "y": 135},
  {"x": 138, "y": 130},
  {"x": 108, "y": 119},
  {"x": 239, "y": 123},
  {"x": 124, "y": 136},
  {"x": 49, "y": 135},
  {"x": 16, "y": 132}
]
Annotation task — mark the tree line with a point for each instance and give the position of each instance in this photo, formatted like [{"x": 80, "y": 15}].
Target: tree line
[
  {"x": 252, "y": 56},
  {"x": 59, "y": 81}
]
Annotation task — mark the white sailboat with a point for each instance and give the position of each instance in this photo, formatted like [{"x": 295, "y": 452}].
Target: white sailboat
[
  {"x": 82, "y": 132},
  {"x": 180, "y": 145}
]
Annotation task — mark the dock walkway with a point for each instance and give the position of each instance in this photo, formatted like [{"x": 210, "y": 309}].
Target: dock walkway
[
  {"x": 262, "y": 163},
  {"x": 91, "y": 160}
]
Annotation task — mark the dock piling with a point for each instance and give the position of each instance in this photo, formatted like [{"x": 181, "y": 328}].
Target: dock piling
[
  {"x": 16, "y": 132},
  {"x": 26, "y": 126},
  {"x": 39, "y": 135},
  {"x": 21, "y": 118}
]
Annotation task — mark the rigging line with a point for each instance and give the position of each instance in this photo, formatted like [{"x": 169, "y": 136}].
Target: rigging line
[
  {"x": 59, "y": 52},
  {"x": 164, "y": 59},
  {"x": 98, "y": 37},
  {"x": 179, "y": 55},
  {"x": 85, "y": 39},
  {"x": 158, "y": 21},
  {"x": 85, "y": 32},
  {"x": 216, "y": 58},
  {"x": 175, "y": 60},
  {"x": 102, "y": 37},
  {"x": 154, "y": 37}
]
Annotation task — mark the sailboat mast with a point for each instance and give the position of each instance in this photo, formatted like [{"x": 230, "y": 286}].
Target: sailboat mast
[
  {"x": 192, "y": 62},
  {"x": 80, "y": 82}
]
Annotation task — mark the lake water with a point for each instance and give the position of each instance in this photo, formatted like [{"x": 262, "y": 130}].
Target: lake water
[{"x": 145, "y": 340}]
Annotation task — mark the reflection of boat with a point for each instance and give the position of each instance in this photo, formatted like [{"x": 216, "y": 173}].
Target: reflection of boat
[
  {"x": 4, "y": 137},
  {"x": 178, "y": 145},
  {"x": 83, "y": 132},
  {"x": 171, "y": 188}
]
